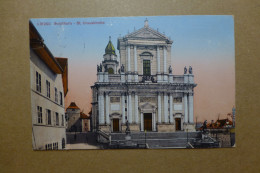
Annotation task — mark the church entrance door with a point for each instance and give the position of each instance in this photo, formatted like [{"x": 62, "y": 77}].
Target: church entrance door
[
  {"x": 177, "y": 124},
  {"x": 116, "y": 125},
  {"x": 148, "y": 121}
]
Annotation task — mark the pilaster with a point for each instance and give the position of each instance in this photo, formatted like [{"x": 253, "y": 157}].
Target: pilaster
[
  {"x": 159, "y": 108},
  {"x": 142, "y": 121},
  {"x": 123, "y": 107},
  {"x": 185, "y": 108},
  {"x": 136, "y": 109},
  {"x": 190, "y": 107},
  {"x": 171, "y": 115},
  {"x": 165, "y": 108},
  {"x": 130, "y": 108},
  {"x": 107, "y": 109}
]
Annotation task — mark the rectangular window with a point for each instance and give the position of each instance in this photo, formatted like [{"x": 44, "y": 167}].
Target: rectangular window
[
  {"x": 48, "y": 89},
  {"x": 48, "y": 114},
  {"x": 57, "y": 119},
  {"x": 38, "y": 82},
  {"x": 146, "y": 68},
  {"x": 39, "y": 111},
  {"x": 61, "y": 100},
  {"x": 56, "y": 95},
  {"x": 62, "y": 120}
]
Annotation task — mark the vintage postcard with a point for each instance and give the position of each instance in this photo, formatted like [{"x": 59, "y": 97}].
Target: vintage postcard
[{"x": 132, "y": 82}]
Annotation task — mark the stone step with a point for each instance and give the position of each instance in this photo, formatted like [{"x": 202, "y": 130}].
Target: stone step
[{"x": 155, "y": 135}]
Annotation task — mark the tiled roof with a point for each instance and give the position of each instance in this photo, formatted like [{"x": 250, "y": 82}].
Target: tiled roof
[
  {"x": 42, "y": 51},
  {"x": 64, "y": 65},
  {"x": 73, "y": 106},
  {"x": 84, "y": 116}
]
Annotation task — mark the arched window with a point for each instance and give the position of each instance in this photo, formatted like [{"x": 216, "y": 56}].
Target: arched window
[{"x": 110, "y": 71}]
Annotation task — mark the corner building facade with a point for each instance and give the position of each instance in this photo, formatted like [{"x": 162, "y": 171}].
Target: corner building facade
[{"x": 142, "y": 89}]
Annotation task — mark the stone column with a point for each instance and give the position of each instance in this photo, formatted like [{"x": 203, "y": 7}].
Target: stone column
[
  {"x": 122, "y": 77},
  {"x": 185, "y": 108},
  {"x": 127, "y": 107},
  {"x": 154, "y": 122},
  {"x": 128, "y": 59},
  {"x": 123, "y": 107},
  {"x": 135, "y": 58},
  {"x": 158, "y": 60},
  {"x": 136, "y": 108},
  {"x": 101, "y": 109},
  {"x": 142, "y": 121},
  {"x": 135, "y": 62},
  {"x": 107, "y": 109},
  {"x": 129, "y": 76},
  {"x": 159, "y": 108},
  {"x": 165, "y": 108},
  {"x": 171, "y": 116},
  {"x": 164, "y": 60},
  {"x": 130, "y": 108},
  {"x": 191, "y": 108}
]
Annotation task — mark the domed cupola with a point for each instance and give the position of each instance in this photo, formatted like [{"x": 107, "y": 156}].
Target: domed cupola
[
  {"x": 110, "y": 62},
  {"x": 110, "y": 49}
]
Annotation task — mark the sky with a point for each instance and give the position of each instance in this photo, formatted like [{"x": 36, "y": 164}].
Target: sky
[{"x": 204, "y": 42}]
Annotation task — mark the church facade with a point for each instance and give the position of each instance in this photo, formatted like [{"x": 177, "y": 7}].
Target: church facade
[{"x": 142, "y": 89}]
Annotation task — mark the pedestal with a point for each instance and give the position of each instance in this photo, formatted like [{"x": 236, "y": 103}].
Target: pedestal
[{"x": 122, "y": 77}]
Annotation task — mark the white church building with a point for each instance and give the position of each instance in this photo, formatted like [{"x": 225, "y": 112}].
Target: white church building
[{"x": 139, "y": 86}]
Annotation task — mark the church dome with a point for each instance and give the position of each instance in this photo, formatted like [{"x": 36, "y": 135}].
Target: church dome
[{"x": 110, "y": 49}]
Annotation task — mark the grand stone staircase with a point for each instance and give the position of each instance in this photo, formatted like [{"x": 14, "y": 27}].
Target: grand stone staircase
[{"x": 158, "y": 139}]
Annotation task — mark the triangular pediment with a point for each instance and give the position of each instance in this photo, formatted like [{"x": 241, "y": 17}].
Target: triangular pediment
[
  {"x": 147, "y": 106},
  {"x": 146, "y": 33}
]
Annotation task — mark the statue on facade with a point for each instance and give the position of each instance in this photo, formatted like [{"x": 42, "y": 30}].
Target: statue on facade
[
  {"x": 127, "y": 130},
  {"x": 190, "y": 70},
  {"x": 122, "y": 68},
  {"x": 152, "y": 79},
  {"x": 106, "y": 69},
  {"x": 185, "y": 70},
  {"x": 100, "y": 67},
  {"x": 204, "y": 127},
  {"x": 170, "y": 69},
  {"x": 118, "y": 71}
]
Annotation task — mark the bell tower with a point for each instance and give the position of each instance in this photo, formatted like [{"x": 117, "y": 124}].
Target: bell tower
[{"x": 110, "y": 62}]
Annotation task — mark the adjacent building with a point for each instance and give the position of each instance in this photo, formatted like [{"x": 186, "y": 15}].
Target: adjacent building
[
  {"x": 142, "y": 89},
  {"x": 49, "y": 86},
  {"x": 77, "y": 121}
]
